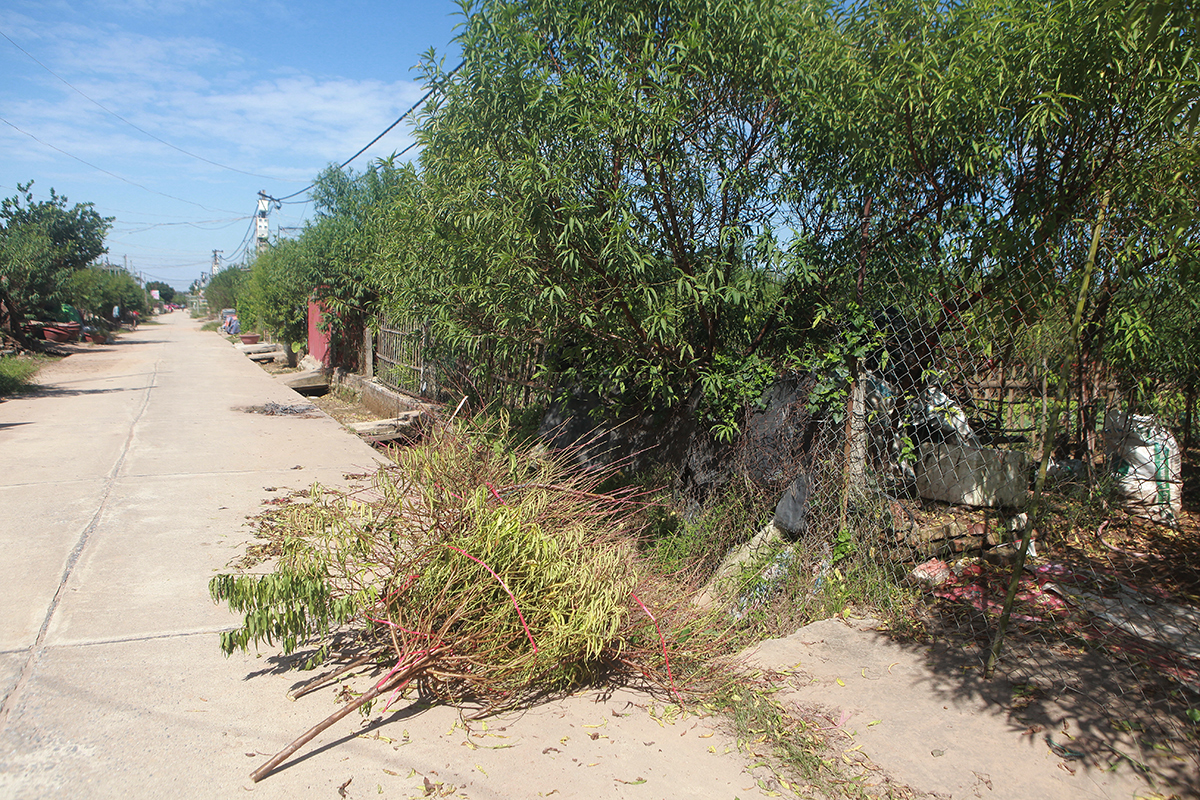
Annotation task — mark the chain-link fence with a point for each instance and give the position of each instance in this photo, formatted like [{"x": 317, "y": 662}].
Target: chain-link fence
[{"x": 994, "y": 483}]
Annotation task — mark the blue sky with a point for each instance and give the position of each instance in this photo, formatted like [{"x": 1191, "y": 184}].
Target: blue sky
[{"x": 276, "y": 89}]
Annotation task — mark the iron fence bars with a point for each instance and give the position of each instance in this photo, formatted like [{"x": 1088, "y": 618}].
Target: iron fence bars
[{"x": 413, "y": 360}]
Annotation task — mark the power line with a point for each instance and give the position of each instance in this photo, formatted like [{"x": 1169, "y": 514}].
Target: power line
[
  {"x": 113, "y": 174},
  {"x": 180, "y": 266},
  {"x": 194, "y": 223},
  {"x": 241, "y": 248},
  {"x": 306, "y": 202},
  {"x": 145, "y": 226},
  {"x": 385, "y": 132},
  {"x": 136, "y": 127}
]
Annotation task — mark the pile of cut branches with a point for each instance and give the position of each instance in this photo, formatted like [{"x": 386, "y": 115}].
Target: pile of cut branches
[{"x": 474, "y": 570}]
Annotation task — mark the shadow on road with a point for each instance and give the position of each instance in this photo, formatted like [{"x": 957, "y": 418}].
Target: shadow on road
[{"x": 54, "y": 390}]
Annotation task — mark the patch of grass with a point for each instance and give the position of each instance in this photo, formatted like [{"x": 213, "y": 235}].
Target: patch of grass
[
  {"x": 15, "y": 372},
  {"x": 699, "y": 541},
  {"x": 211, "y": 325},
  {"x": 802, "y": 753},
  {"x": 346, "y": 394},
  {"x": 870, "y": 582},
  {"x": 793, "y": 748}
]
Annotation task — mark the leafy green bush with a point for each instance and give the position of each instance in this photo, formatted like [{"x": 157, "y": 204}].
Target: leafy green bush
[
  {"x": 42, "y": 243},
  {"x": 225, "y": 289},
  {"x": 95, "y": 291}
]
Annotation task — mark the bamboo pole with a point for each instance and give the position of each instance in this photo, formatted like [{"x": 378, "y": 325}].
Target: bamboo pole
[{"x": 1062, "y": 391}]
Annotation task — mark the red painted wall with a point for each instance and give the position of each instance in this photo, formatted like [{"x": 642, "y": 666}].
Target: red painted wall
[{"x": 318, "y": 340}]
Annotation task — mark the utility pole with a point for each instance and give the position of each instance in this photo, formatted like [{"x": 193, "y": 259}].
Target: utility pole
[
  {"x": 216, "y": 265},
  {"x": 262, "y": 229}
]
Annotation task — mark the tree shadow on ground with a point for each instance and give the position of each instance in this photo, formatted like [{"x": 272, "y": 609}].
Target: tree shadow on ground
[
  {"x": 1101, "y": 661},
  {"x": 53, "y": 390},
  {"x": 1102, "y": 701}
]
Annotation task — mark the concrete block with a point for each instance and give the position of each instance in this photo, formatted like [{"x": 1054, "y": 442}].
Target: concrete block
[
  {"x": 308, "y": 382},
  {"x": 760, "y": 546},
  {"x": 407, "y": 426},
  {"x": 253, "y": 349},
  {"x": 974, "y": 476}
]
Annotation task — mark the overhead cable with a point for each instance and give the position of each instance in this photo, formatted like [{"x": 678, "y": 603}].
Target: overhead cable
[
  {"x": 385, "y": 132},
  {"x": 244, "y": 246},
  {"x": 305, "y": 202},
  {"x": 113, "y": 174}
]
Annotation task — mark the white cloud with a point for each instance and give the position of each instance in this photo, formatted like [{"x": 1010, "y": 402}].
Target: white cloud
[
  {"x": 197, "y": 93},
  {"x": 200, "y": 96}
]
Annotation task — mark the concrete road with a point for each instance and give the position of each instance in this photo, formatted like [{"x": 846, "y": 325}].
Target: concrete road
[{"x": 125, "y": 484}]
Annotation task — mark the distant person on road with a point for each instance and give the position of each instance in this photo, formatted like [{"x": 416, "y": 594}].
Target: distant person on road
[
  {"x": 135, "y": 319},
  {"x": 116, "y": 316}
]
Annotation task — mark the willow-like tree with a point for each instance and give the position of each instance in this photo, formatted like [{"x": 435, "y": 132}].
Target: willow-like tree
[
  {"x": 956, "y": 159},
  {"x": 605, "y": 178}
]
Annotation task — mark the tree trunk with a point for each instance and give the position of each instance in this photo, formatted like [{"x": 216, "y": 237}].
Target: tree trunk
[{"x": 1189, "y": 414}]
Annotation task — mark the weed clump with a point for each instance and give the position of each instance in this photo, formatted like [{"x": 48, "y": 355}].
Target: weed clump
[
  {"x": 506, "y": 561},
  {"x": 16, "y": 373}
]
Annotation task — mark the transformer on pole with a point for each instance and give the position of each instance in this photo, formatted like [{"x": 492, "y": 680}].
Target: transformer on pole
[{"x": 261, "y": 228}]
